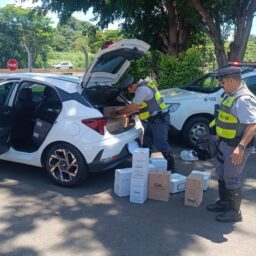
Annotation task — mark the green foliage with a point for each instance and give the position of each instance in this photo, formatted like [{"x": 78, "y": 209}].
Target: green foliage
[
  {"x": 175, "y": 72},
  {"x": 70, "y": 36},
  {"x": 250, "y": 53},
  {"x": 19, "y": 26},
  {"x": 97, "y": 39},
  {"x": 76, "y": 58},
  {"x": 142, "y": 67}
]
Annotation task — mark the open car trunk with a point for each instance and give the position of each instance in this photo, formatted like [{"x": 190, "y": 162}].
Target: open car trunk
[{"x": 106, "y": 99}]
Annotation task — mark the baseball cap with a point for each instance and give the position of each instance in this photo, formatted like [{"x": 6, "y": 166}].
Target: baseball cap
[
  {"x": 231, "y": 71},
  {"x": 126, "y": 82}
]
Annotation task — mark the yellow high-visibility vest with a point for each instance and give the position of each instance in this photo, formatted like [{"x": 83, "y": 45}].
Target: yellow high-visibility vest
[
  {"x": 228, "y": 126},
  {"x": 157, "y": 102}
]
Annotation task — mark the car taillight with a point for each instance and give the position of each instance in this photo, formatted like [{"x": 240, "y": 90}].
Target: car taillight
[{"x": 97, "y": 125}]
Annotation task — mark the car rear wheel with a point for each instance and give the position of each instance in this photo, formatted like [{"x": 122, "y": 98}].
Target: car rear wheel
[
  {"x": 66, "y": 165},
  {"x": 194, "y": 128}
]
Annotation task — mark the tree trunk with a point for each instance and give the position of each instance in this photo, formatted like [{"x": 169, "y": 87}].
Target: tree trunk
[
  {"x": 176, "y": 39},
  {"x": 244, "y": 16},
  {"x": 244, "y": 11}
]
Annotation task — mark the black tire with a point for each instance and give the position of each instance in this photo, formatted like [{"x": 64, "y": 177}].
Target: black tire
[
  {"x": 194, "y": 128},
  {"x": 66, "y": 165}
]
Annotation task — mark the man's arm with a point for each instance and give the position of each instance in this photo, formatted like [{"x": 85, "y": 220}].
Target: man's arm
[
  {"x": 238, "y": 153},
  {"x": 129, "y": 109}
]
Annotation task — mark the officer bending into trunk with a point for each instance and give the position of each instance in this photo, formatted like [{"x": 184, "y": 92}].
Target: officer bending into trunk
[
  {"x": 235, "y": 128},
  {"x": 153, "y": 113}
]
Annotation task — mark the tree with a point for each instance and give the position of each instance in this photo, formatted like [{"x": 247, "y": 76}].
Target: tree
[
  {"x": 217, "y": 20},
  {"x": 19, "y": 26},
  {"x": 166, "y": 24},
  {"x": 68, "y": 36},
  {"x": 169, "y": 25}
]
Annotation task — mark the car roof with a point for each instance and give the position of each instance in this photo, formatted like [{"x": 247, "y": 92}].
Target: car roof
[{"x": 65, "y": 82}]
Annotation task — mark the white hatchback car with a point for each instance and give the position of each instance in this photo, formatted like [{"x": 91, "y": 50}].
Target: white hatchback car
[
  {"x": 57, "y": 121},
  {"x": 63, "y": 65}
]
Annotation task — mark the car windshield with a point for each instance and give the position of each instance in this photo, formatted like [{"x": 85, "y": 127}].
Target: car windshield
[{"x": 206, "y": 84}]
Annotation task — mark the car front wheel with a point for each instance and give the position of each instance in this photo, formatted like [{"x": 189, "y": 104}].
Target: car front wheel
[
  {"x": 66, "y": 165},
  {"x": 194, "y": 129}
]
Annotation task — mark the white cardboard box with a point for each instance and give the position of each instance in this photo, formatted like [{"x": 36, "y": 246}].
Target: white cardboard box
[
  {"x": 206, "y": 176},
  {"x": 138, "y": 190},
  {"x": 140, "y": 154},
  {"x": 159, "y": 163},
  {"x": 177, "y": 183},
  {"x": 122, "y": 181}
]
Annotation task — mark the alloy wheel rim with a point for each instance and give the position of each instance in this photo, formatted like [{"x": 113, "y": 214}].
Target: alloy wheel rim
[{"x": 63, "y": 165}]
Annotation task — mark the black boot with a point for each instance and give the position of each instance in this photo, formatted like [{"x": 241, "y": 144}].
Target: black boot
[
  {"x": 233, "y": 214},
  {"x": 170, "y": 161},
  {"x": 222, "y": 204}
]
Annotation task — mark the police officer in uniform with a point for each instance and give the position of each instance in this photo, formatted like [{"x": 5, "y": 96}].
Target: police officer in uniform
[
  {"x": 153, "y": 113},
  {"x": 235, "y": 128}
]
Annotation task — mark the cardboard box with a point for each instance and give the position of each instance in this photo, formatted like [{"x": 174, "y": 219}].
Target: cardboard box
[
  {"x": 108, "y": 111},
  {"x": 138, "y": 190},
  {"x": 177, "y": 183},
  {"x": 194, "y": 190},
  {"x": 206, "y": 177},
  {"x": 159, "y": 185},
  {"x": 159, "y": 163},
  {"x": 140, "y": 154},
  {"x": 140, "y": 163},
  {"x": 122, "y": 181},
  {"x": 41, "y": 129},
  {"x": 117, "y": 124}
]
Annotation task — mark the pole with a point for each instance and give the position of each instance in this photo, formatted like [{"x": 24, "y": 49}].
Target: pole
[
  {"x": 29, "y": 57},
  {"x": 85, "y": 58}
]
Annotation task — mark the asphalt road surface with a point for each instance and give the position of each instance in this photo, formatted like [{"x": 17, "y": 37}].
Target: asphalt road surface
[{"x": 39, "y": 218}]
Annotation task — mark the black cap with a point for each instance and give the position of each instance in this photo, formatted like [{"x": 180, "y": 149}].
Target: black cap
[
  {"x": 126, "y": 82},
  {"x": 231, "y": 71}
]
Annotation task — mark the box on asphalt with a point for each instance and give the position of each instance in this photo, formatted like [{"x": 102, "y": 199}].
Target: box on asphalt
[
  {"x": 206, "y": 177},
  {"x": 122, "y": 181},
  {"x": 140, "y": 163},
  {"x": 194, "y": 190},
  {"x": 159, "y": 185},
  {"x": 138, "y": 190},
  {"x": 159, "y": 163},
  {"x": 177, "y": 183}
]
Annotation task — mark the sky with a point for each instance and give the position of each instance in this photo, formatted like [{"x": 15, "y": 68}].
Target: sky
[{"x": 82, "y": 16}]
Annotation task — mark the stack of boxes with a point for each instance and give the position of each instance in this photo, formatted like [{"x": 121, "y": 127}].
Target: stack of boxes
[
  {"x": 139, "y": 176},
  {"x": 149, "y": 178}
]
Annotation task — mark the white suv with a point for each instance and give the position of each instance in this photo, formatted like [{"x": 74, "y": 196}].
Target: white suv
[
  {"x": 57, "y": 121},
  {"x": 192, "y": 107}
]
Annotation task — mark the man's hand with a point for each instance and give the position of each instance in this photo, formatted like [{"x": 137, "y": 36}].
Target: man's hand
[{"x": 237, "y": 156}]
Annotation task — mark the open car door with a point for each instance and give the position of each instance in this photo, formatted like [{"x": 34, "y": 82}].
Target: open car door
[{"x": 6, "y": 90}]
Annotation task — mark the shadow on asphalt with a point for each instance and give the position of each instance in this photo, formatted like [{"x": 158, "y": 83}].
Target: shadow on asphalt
[{"x": 120, "y": 227}]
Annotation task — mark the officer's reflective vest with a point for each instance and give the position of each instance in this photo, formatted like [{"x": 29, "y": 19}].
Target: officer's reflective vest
[
  {"x": 228, "y": 126},
  {"x": 153, "y": 105}
]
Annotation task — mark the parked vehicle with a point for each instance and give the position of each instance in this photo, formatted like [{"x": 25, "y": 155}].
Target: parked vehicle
[
  {"x": 193, "y": 106},
  {"x": 57, "y": 122},
  {"x": 63, "y": 65}
]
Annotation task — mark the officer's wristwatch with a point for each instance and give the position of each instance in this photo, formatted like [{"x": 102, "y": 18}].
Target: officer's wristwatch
[{"x": 242, "y": 146}]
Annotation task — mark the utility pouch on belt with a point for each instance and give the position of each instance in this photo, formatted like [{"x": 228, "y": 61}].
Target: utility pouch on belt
[{"x": 158, "y": 118}]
